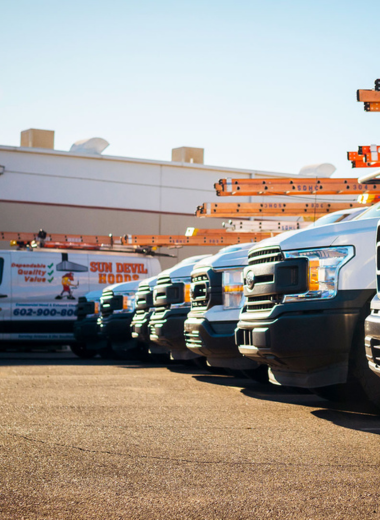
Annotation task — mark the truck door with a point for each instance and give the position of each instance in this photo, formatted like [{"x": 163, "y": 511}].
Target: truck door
[{"x": 5, "y": 292}]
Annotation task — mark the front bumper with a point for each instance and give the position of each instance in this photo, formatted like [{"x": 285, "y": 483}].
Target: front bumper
[
  {"x": 140, "y": 326},
  {"x": 216, "y": 341},
  {"x": 167, "y": 330},
  {"x": 372, "y": 336},
  {"x": 86, "y": 331},
  {"x": 116, "y": 328},
  {"x": 305, "y": 344}
]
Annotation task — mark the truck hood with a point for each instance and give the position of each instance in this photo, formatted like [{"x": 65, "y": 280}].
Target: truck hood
[
  {"x": 122, "y": 287},
  {"x": 94, "y": 296},
  {"x": 227, "y": 259},
  {"x": 341, "y": 233},
  {"x": 181, "y": 270}
]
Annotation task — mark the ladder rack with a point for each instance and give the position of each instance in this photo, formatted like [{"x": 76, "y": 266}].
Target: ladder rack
[
  {"x": 201, "y": 237},
  {"x": 250, "y": 209},
  {"x": 272, "y": 226},
  {"x": 291, "y": 186}
]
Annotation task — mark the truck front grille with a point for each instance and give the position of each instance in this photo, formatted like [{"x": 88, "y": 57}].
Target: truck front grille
[
  {"x": 199, "y": 291},
  {"x": 106, "y": 304},
  {"x": 193, "y": 339},
  {"x": 261, "y": 303},
  {"x": 110, "y": 302},
  {"x": 144, "y": 298},
  {"x": 159, "y": 312},
  {"x": 165, "y": 280},
  {"x": 264, "y": 302},
  {"x": 265, "y": 256}
]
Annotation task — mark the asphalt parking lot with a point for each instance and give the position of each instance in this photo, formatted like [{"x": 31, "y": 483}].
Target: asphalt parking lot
[{"x": 122, "y": 440}]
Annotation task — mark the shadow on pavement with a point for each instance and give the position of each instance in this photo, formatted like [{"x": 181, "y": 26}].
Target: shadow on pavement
[
  {"x": 363, "y": 421},
  {"x": 65, "y": 358},
  {"x": 362, "y": 416}
]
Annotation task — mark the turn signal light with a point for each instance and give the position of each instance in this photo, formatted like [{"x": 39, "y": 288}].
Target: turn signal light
[
  {"x": 187, "y": 292},
  {"x": 313, "y": 275},
  {"x": 233, "y": 288}
]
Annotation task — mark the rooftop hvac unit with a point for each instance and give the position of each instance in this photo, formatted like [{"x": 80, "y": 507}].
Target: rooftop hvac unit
[{"x": 66, "y": 265}]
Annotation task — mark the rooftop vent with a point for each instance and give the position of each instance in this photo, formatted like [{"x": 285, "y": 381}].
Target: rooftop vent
[
  {"x": 317, "y": 170},
  {"x": 34, "y": 138},
  {"x": 93, "y": 146},
  {"x": 188, "y": 155}
]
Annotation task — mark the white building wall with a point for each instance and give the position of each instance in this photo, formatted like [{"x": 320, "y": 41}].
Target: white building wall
[
  {"x": 64, "y": 192},
  {"x": 48, "y": 176}
]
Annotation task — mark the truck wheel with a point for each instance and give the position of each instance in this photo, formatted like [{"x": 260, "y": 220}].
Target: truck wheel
[
  {"x": 369, "y": 381},
  {"x": 358, "y": 370},
  {"x": 371, "y": 385},
  {"x": 79, "y": 349}
]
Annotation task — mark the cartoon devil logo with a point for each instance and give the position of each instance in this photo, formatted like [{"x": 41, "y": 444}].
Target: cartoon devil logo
[{"x": 67, "y": 286}]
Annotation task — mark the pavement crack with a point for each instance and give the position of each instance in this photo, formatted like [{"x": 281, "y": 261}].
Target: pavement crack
[{"x": 189, "y": 461}]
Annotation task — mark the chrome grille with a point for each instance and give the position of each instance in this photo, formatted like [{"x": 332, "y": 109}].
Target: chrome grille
[
  {"x": 143, "y": 298},
  {"x": 193, "y": 339},
  {"x": 199, "y": 292},
  {"x": 159, "y": 312},
  {"x": 165, "y": 280},
  {"x": 106, "y": 303},
  {"x": 265, "y": 256},
  {"x": 261, "y": 303}
]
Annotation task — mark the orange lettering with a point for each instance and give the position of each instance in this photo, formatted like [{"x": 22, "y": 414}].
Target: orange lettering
[
  {"x": 102, "y": 278},
  {"x": 119, "y": 267},
  {"x": 93, "y": 267},
  {"x": 127, "y": 277},
  {"x": 119, "y": 278},
  {"x": 111, "y": 279}
]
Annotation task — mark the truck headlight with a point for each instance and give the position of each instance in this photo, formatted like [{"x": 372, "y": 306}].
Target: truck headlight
[
  {"x": 324, "y": 266},
  {"x": 232, "y": 286}
]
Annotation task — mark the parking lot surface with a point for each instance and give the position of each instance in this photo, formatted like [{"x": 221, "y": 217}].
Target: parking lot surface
[{"x": 123, "y": 440}]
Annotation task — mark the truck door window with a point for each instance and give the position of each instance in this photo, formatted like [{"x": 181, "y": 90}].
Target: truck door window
[{"x": 1, "y": 269}]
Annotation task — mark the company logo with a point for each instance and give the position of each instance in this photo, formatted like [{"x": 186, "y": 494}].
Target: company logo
[{"x": 250, "y": 280}]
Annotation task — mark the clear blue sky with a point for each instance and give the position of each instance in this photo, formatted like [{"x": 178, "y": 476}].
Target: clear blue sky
[{"x": 268, "y": 85}]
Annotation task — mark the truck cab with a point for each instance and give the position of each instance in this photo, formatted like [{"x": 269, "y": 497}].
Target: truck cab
[
  {"x": 307, "y": 294},
  {"x": 117, "y": 307},
  {"x": 86, "y": 334},
  {"x": 144, "y": 310},
  {"x": 372, "y": 335},
  {"x": 216, "y": 299},
  {"x": 171, "y": 300}
]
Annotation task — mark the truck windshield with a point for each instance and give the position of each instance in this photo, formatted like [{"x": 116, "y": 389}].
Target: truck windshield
[{"x": 371, "y": 212}]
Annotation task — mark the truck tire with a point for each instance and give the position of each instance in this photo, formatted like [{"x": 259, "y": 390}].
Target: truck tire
[
  {"x": 369, "y": 381},
  {"x": 371, "y": 385},
  {"x": 358, "y": 370},
  {"x": 79, "y": 349}
]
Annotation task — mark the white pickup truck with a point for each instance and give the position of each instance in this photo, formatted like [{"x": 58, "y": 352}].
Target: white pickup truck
[{"x": 307, "y": 295}]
